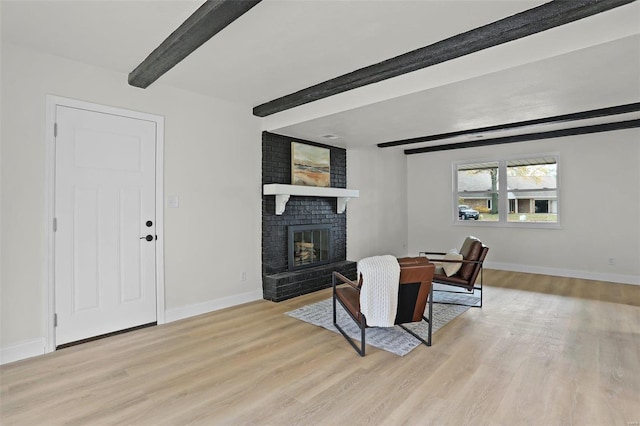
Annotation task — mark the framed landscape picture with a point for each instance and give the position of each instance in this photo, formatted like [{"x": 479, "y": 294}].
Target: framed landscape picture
[{"x": 310, "y": 165}]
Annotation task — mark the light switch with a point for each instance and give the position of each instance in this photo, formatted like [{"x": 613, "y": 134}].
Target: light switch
[{"x": 173, "y": 201}]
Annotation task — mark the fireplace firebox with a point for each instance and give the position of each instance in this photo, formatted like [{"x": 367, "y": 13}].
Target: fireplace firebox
[{"x": 309, "y": 246}]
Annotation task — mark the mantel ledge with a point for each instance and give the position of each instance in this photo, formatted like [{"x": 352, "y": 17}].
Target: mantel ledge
[{"x": 283, "y": 192}]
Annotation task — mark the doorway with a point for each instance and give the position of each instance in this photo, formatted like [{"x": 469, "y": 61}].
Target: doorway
[{"x": 106, "y": 248}]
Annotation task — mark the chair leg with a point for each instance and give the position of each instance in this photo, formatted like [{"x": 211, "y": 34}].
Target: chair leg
[
  {"x": 428, "y": 320},
  {"x": 333, "y": 285},
  {"x": 472, "y": 290},
  {"x": 414, "y": 334},
  {"x": 430, "y": 314},
  {"x": 362, "y": 324},
  {"x": 360, "y": 349},
  {"x": 481, "y": 289}
]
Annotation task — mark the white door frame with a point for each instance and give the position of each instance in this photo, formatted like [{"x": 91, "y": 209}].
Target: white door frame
[{"x": 50, "y": 161}]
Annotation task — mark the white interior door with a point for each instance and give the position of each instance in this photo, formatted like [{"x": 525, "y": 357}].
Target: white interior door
[{"x": 105, "y": 272}]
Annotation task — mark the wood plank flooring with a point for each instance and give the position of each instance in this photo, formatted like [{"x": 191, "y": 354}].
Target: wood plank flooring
[{"x": 542, "y": 351}]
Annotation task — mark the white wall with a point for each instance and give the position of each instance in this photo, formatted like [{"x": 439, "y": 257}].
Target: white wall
[
  {"x": 377, "y": 220},
  {"x": 212, "y": 161},
  {"x": 599, "y": 205}
]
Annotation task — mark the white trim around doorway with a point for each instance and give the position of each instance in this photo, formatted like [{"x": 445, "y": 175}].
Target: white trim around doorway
[{"x": 50, "y": 157}]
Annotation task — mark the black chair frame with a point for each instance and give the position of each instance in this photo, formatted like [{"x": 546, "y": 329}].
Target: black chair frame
[
  {"x": 470, "y": 289},
  {"x": 336, "y": 276}
]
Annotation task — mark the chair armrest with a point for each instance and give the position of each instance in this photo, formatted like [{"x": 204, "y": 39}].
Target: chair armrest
[
  {"x": 449, "y": 260},
  {"x": 457, "y": 261},
  {"x": 345, "y": 280},
  {"x": 431, "y": 252}
]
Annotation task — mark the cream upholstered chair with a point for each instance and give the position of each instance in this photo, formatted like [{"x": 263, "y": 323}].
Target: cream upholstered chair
[
  {"x": 414, "y": 292},
  {"x": 470, "y": 267}
]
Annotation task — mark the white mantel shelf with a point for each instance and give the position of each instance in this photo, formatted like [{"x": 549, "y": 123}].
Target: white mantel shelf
[{"x": 283, "y": 192}]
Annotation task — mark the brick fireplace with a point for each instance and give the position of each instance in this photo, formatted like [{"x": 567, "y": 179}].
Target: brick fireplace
[{"x": 281, "y": 278}]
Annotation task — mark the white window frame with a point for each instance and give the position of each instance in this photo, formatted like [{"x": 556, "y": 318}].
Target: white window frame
[{"x": 503, "y": 199}]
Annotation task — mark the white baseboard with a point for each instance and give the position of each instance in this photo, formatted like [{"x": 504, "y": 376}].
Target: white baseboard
[
  {"x": 22, "y": 350},
  {"x": 183, "y": 312},
  {"x": 570, "y": 273}
]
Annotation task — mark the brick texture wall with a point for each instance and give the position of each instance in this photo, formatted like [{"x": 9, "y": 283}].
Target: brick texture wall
[{"x": 276, "y": 168}]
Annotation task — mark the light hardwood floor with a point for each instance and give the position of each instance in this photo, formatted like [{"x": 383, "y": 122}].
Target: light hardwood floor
[{"x": 542, "y": 351}]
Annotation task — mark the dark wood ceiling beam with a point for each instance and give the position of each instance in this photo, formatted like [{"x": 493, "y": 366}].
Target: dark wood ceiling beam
[
  {"x": 532, "y": 21},
  {"x": 210, "y": 18},
  {"x": 582, "y": 130},
  {"x": 582, "y": 115}
]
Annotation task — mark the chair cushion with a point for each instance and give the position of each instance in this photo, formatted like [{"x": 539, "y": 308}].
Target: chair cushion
[
  {"x": 454, "y": 280},
  {"x": 471, "y": 250},
  {"x": 350, "y": 297},
  {"x": 451, "y": 268}
]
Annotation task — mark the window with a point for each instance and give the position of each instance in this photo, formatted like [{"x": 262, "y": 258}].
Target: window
[
  {"x": 533, "y": 185},
  {"x": 522, "y": 191}
]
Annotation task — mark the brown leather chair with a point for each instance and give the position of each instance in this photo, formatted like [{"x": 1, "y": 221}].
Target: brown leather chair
[
  {"x": 414, "y": 292},
  {"x": 473, "y": 254}
]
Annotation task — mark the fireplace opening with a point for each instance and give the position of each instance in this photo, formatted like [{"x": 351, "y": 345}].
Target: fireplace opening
[{"x": 309, "y": 245}]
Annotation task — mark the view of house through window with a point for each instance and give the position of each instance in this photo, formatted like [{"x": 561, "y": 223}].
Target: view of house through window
[
  {"x": 478, "y": 191},
  {"x": 523, "y": 190}
]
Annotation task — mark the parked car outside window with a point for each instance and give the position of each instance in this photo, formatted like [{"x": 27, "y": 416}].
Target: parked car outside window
[{"x": 465, "y": 212}]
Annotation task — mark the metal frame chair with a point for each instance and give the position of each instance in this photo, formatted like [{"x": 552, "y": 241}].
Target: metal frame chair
[
  {"x": 474, "y": 253},
  {"x": 414, "y": 294}
]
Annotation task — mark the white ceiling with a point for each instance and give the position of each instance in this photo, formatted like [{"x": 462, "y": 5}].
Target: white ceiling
[
  {"x": 281, "y": 46},
  {"x": 596, "y": 77}
]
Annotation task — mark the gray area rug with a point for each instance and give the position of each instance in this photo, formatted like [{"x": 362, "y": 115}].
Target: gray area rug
[{"x": 391, "y": 339}]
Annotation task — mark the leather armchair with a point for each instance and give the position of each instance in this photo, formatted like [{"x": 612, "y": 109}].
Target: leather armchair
[
  {"x": 473, "y": 253},
  {"x": 414, "y": 293}
]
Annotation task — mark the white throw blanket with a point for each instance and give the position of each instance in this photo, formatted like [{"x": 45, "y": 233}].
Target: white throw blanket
[{"x": 379, "y": 293}]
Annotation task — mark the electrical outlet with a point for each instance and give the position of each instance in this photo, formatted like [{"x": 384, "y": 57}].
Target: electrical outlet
[
  {"x": 243, "y": 276},
  {"x": 612, "y": 261}
]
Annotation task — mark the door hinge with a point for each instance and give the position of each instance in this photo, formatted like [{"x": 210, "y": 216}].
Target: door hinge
[
  {"x": 55, "y": 224},
  {"x": 55, "y": 130},
  {"x": 55, "y": 320}
]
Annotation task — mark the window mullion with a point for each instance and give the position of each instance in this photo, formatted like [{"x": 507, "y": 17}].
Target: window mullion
[{"x": 503, "y": 193}]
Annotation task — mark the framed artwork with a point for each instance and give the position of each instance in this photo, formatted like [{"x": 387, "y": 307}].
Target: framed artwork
[{"x": 310, "y": 165}]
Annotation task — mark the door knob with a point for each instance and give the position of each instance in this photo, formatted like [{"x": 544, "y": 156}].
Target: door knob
[{"x": 148, "y": 238}]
